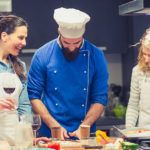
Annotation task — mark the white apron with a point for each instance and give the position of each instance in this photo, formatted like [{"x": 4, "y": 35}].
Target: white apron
[
  {"x": 9, "y": 118},
  {"x": 144, "y": 114}
]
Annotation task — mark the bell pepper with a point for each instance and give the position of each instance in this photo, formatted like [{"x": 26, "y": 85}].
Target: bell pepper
[{"x": 54, "y": 145}]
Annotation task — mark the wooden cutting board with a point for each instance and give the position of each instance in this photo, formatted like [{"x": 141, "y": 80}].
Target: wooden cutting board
[{"x": 80, "y": 148}]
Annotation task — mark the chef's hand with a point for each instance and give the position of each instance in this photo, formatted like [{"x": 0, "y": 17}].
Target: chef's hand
[
  {"x": 76, "y": 133},
  {"x": 64, "y": 134},
  {"x": 7, "y": 103}
]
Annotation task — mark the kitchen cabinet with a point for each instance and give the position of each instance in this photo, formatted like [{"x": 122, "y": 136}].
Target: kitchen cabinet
[
  {"x": 39, "y": 15},
  {"x": 106, "y": 27},
  {"x": 140, "y": 24},
  {"x": 136, "y": 28}
]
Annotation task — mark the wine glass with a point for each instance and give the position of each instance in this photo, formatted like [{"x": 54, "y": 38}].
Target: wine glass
[
  {"x": 9, "y": 90},
  {"x": 36, "y": 124},
  {"x": 9, "y": 84}
]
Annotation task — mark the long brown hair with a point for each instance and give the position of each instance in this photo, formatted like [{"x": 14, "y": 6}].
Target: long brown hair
[{"x": 8, "y": 25}]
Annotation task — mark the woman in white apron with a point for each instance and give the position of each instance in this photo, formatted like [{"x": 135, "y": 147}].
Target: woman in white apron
[
  {"x": 13, "y": 90},
  {"x": 138, "y": 110}
]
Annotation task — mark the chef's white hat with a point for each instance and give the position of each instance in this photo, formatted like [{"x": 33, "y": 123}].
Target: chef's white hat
[{"x": 71, "y": 21}]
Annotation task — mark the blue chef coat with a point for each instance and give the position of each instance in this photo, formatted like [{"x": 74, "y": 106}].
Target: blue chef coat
[{"x": 68, "y": 87}]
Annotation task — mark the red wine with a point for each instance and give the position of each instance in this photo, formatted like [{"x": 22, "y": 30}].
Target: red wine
[
  {"x": 36, "y": 126},
  {"x": 9, "y": 90}
]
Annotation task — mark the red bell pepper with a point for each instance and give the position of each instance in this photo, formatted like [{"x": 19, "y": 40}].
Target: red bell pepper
[{"x": 54, "y": 145}]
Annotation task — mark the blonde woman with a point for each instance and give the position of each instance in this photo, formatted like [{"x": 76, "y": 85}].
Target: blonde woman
[{"x": 138, "y": 110}]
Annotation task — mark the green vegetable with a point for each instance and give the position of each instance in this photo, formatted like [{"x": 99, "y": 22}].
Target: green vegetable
[
  {"x": 129, "y": 146},
  {"x": 120, "y": 111}
]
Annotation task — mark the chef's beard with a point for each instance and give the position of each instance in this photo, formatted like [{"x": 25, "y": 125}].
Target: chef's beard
[{"x": 70, "y": 55}]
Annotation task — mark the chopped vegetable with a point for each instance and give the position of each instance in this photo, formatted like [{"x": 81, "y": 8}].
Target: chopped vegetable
[
  {"x": 54, "y": 145},
  {"x": 101, "y": 137},
  {"x": 129, "y": 146},
  {"x": 100, "y": 133}
]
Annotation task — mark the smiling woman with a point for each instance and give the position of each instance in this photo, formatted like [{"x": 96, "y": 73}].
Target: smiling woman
[{"x": 13, "y": 33}]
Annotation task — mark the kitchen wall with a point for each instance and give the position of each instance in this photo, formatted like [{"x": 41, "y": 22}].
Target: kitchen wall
[
  {"x": 106, "y": 27},
  {"x": 113, "y": 62}
]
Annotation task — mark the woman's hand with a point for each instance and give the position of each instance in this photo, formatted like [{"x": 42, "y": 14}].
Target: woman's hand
[
  {"x": 7, "y": 103},
  {"x": 127, "y": 127}
]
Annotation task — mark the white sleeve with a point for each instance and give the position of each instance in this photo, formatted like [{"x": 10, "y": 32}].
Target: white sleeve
[{"x": 133, "y": 105}]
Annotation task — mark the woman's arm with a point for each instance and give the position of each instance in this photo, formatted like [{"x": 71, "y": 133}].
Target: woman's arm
[{"x": 133, "y": 105}]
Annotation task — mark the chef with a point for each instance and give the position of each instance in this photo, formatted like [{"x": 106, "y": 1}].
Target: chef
[{"x": 67, "y": 81}]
